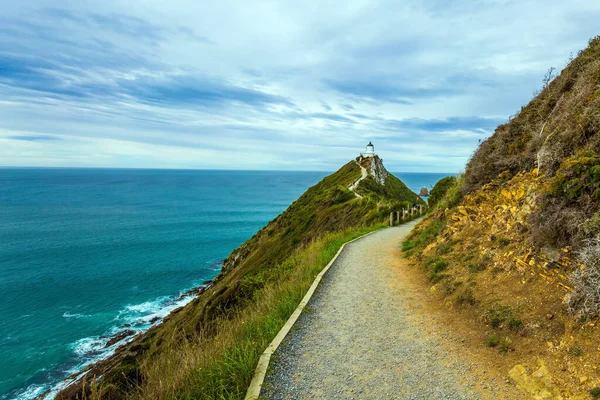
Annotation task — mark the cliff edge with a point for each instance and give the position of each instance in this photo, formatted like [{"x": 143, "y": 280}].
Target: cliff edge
[{"x": 209, "y": 348}]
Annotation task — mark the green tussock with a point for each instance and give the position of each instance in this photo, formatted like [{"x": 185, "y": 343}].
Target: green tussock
[{"x": 210, "y": 348}]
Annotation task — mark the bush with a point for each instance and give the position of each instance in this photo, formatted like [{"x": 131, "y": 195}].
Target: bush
[
  {"x": 419, "y": 239},
  {"x": 563, "y": 118},
  {"x": 565, "y": 214},
  {"x": 504, "y": 345},
  {"x": 514, "y": 323},
  {"x": 492, "y": 341},
  {"x": 503, "y": 242},
  {"x": 575, "y": 351},
  {"x": 595, "y": 393},
  {"x": 555, "y": 224},
  {"x": 434, "y": 266},
  {"x": 466, "y": 297},
  {"x": 496, "y": 315},
  {"x": 439, "y": 190},
  {"x": 476, "y": 267},
  {"x": 584, "y": 302}
]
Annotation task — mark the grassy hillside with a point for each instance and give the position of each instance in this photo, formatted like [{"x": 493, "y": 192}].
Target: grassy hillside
[
  {"x": 513, "y": 247},
  {"x": 209, "y": 348},
  {"x": 559, "y": 122}
]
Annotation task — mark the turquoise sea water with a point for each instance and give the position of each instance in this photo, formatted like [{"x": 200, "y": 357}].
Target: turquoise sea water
[{"x": 86, "y": 252}]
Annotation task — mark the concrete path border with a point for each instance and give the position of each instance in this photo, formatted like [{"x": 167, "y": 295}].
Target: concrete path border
[{"x": 253, "y": 392}]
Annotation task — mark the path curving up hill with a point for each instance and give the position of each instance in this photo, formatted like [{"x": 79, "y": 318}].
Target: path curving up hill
[
  {"x": 363, "y": 175},
  {"x": 358, "y": 339}
]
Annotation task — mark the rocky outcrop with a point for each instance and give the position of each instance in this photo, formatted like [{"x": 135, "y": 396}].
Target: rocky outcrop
[
  {"x": 120, "y": 336},
  {"x": 424, "y": 192},
  {"x": 375, "y": 168},
  {"x": 538, "y": 384}
]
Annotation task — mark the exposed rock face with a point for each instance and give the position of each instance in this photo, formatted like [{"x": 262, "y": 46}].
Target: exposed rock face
[
  {"x": 424, "y": 192},
  {"x": 375, "y": 168},
  {"x": 119, "y": 337},
  {"x": 538, "y": 384}
]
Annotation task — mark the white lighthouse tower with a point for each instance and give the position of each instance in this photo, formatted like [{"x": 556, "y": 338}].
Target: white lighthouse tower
[{"x": 370, "y": 151}]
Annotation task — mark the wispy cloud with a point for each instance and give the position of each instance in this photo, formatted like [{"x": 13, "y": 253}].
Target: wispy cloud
[
  {"x": 271, "y": 85},
  {"x": 33, "y": 138}
]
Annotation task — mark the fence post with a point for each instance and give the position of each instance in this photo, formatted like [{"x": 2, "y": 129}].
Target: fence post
[
  {"x": 392, "y": 218},
  {"x": 398, "y": 217}
]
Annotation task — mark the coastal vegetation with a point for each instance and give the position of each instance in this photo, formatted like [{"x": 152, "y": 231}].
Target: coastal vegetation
[
  {"x": 440, "y": 189},
  {"x": 209, "y": 348},
  {"x": 519, "y": 236}
]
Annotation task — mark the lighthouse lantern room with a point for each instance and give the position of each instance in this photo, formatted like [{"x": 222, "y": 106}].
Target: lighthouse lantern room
[{"x": 370, "y": 151}]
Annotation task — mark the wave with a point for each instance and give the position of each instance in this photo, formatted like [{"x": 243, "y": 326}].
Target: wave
[
  {"x": 131, "y": 320},
  {"x": 75, "y": 315}
]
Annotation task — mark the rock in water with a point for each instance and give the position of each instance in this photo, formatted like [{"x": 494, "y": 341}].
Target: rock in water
[
  {"x": 120, "y": 336},
  {"x": 424, "y": 192}
]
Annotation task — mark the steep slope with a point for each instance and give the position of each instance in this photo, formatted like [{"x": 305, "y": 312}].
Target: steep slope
[
  {"x": 513, "y": 247},
  {"x": 218, "y": 337},
  {"x": 562, "y": 120}
]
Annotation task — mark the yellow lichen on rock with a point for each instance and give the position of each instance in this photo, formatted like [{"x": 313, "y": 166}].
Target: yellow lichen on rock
[{"x": 538, "y": 384}]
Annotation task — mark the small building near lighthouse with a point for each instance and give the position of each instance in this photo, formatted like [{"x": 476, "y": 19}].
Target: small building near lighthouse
[{"x": 370, "y": 151}]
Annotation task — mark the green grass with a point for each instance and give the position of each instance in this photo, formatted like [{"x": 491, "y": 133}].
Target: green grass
[
  {"x": 492, "y": 341},
  {"x": 504, "y": 345},
  {"x": 498, "y": 316},
  {"x": 595, "y": 393},
  {"x": 208, "y": 350},
  {"x": 420, "y": 238},
  {"x": 435, "y": 265},
  {"x": 222, "y": 367},
  {"x": 466, "y": 297},
  {"x": 440, "y": 189},
  {"x": 575, "y": 351}
]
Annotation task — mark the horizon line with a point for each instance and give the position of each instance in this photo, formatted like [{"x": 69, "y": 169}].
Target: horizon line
[{"x": 201, "y": 169}]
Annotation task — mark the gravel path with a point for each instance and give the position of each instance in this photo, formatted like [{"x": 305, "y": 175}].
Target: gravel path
[
  {"x": 363, "y": 175},
  {"x": 357, "y": 338}
]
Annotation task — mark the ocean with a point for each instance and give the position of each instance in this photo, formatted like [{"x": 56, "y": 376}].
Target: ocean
[{"x": 88, "y": 253}]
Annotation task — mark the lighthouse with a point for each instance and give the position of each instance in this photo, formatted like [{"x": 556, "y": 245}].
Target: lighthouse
[{"x": 370, "y": 151}]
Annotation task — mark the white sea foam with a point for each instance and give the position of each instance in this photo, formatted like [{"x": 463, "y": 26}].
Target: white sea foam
[
  {"x": 75, "y": 315},
  {"x": 138, "y": 317},
  {"x": 29, "y": 392},
  {"x": 86, "y": 346}
]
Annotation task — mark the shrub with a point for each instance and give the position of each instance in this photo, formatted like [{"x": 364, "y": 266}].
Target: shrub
[
  {"x": 514, "y": 323},
  {"x": 419, "y": 239},
  {"x": 575, "y": 351},
  {"x": 476, "y": 267},
  {"x": 444, "y": 248},
  {"x": 565, "y": 214},
  {"x": 595, "y": 393},
  {"x": 496, "y": 314},
  {"x": 440, "y": 189},
  {"x": 503, "y": 242},
  {"x": 584, "y": 302},
  {"x": 554, "y": 224},
  {"x": 434, "y": 266},
  {"x": 450, "y": 287},
  {"x": 492, "y": 341},
  {"x": 562, "y": 119},
  {"x": 504, "y": 345},
  {"x": 590, "y": 227},
  {"x": 466, "y": 297}
]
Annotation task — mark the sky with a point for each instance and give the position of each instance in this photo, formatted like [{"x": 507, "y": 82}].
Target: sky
[{"x": 280, "y": 85}]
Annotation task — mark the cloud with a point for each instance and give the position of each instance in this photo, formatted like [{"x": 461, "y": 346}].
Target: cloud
[
  {"x": 33, "y": 138},
  {"x": 478, "y": 124},
  {"x": 286, "y": 85},
  {"x": 379, "y": 91}
]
